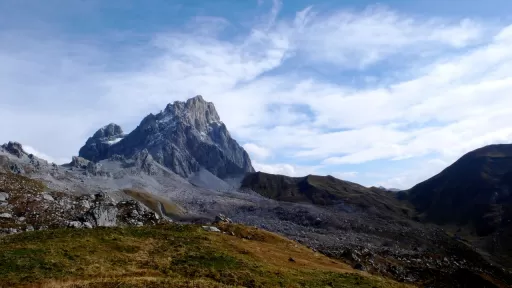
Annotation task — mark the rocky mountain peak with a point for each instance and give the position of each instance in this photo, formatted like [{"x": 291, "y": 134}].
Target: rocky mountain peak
[
  {"x": 14, "y": 148},
  {"x": 184, "y": 137},
  {"x": 109, "y": 131},
  {"x": 195, "y": 112},
  {"x": 96, "y": 148}
]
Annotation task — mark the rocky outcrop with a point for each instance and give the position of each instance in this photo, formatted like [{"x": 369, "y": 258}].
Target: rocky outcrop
[
  {"x": 145, "y": 162},
  {"x": 26, "y": 207},
  {"x": 14, "y": 148},
  {"x": 184, "y": 137},
  {"x": 96, "y": 148}
]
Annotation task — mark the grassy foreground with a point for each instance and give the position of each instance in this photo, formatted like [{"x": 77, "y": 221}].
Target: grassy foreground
[{"x": 169, "y": 256}]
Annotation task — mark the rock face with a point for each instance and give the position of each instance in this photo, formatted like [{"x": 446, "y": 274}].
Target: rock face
[
  {"x": 96, "y": 148},
  {"x": 184, "y": 137},
  {"x": 14, "y": 148},
  {"x": 56, "y": 209}
]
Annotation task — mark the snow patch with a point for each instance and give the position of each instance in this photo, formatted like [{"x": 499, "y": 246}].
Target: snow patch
[{"x": 112, "y": 142}]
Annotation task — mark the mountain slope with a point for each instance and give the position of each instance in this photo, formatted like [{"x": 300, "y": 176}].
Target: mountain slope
[
  {"x": 473, "y": 190},
  {"x": 170, "y": 256},
  {"x": 322, "y": 190},
  {"x": 474, "y": 193},
  {"x": 185, "y": 137}
]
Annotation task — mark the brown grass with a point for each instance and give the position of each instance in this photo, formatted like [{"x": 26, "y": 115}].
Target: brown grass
[
  {"x": 170, "y": 209},
  {"x": 170, "y": 256}
]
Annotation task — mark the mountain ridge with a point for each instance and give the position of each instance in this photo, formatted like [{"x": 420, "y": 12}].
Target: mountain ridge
[{"x": 184, "y": 137}]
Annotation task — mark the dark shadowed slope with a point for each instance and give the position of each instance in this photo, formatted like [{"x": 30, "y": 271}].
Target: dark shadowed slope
[
  {"x": 323, "y": 190},
  {"x": 473, "y": 192}
]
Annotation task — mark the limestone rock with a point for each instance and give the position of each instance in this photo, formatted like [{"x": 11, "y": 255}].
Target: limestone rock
[
  {"x": 211, "y": 229},
  {"x": 105, "y": 215},
  {"x": 4, "y": 196},
  {"x": 97, "y": 147},
  {"x": 79, "y": 162},
  {"x": 6, "y": 215},
  {"x": 14, "y": 148},
  {"x": 184, "y": 137}
]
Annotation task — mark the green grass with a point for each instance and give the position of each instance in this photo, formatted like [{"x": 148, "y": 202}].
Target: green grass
[{"x": 169, "y": 256}]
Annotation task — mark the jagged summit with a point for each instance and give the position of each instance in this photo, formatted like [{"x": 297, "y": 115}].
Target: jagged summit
[
  {"x": 184, "y": 137},
  {"x": 96, "y": 148}
]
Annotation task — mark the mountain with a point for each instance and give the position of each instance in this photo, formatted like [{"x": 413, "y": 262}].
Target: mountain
[
  {"x": 185, "y": 137},
  {"x": 322, "y": 190},
  {"x": 475, "y": 193},
  {"x": 181, "y": 165},
  {"x": 474, "y": 190}
]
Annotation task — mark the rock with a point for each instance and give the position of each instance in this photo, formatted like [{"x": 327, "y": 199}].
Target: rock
[
  {"x": 97, "y": 147},
  {"x": 221, "y": 218},
  {"x": 145, "y": 162},
  {"x": 184, "y": 137},
  {"x": 14, "y": 148},
  {"x": 92, "y": 168},
  {"x": 74, "y": 224},
  {"x": 16, "y": 169},
  {"x": 134, "y": 213},
  {"x": 6, "y": 215},
  {"x": 211, "y": 229},
  {"x": 29, "y": 228},
  {"x": 84, "y": 203},
  {"x": 291, "y": 259},
  {"x": 105, "y": 215},
  {"x": 88, "y": 225},
  {"x": 48, "y": 197},
  {"x": 359, "y": 266},
  {"x": 4, "y": 196},
  {"x": 79, "y": 162}
]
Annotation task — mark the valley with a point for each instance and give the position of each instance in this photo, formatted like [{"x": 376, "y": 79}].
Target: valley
[{"x": 145, "y": 195}]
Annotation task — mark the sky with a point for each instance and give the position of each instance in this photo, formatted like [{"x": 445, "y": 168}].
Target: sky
[{"x": 379, "y": 93}]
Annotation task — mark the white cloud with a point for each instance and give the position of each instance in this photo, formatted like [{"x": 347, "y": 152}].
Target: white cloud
[
  {"x": 256, "y": 152},
  {"x": 50, "y": 159},
  {"x": 410, "y": 177},
  {"x": 359, "y": 39},
  {"x": 285, "y": 169},
  {"x": 345, "y": 175}
]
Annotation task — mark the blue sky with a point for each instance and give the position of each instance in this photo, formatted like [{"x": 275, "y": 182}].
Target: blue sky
[{"x": 380, "y": 93}]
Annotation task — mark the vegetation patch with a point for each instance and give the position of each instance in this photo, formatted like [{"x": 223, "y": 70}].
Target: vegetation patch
[{"x": 169, "y": 256}]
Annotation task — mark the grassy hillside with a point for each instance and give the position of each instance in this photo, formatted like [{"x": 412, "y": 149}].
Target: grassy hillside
[
  {"x": 323, "y": 190},
  {"x": 169, "y": 256}
]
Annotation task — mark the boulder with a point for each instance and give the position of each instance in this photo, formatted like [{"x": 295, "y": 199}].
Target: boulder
[
  {"x": 6, "y": 215},
  {"x": 105, "y": 215},
  {"x": 79, "y": 162},
  {"x": 221, "y": 218},
  {"x": 211, "y": 229},
  {"x": 4, "y": 196}
]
